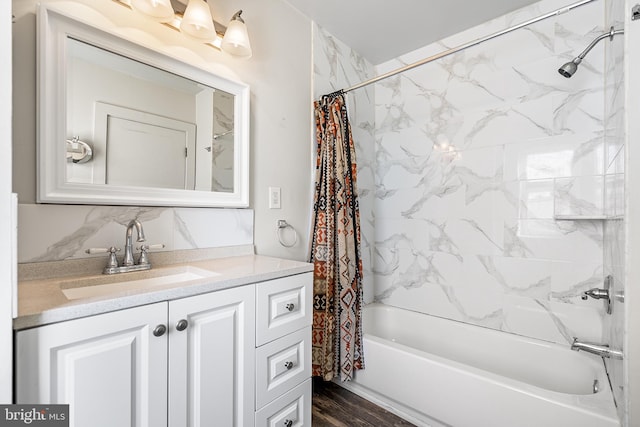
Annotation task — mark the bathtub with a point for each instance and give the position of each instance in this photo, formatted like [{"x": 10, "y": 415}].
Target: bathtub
[{"x": 437, "y": 372}]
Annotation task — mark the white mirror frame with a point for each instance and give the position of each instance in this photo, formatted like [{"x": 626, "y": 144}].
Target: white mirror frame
[{"x": 53, "y": 30}]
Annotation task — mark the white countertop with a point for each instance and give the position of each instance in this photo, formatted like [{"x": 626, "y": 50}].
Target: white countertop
[{"x": 42, "y": 301}]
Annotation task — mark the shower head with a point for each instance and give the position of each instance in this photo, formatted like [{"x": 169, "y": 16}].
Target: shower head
[{"x": 570, "y": 68}]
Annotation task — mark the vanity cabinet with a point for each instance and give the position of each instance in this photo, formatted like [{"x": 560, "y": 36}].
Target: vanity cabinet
[
  {"x": 234, "y": 357},
  {"x": 109, "y": 368},
  {"x": 186, "y": 362},
  {"x": 283, "y": 352}
]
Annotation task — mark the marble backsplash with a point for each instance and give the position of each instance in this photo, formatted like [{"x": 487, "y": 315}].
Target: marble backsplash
[{"x": 63, "y": 232}]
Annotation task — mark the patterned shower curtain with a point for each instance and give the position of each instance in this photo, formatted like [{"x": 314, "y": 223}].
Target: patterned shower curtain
[{"x": 335, "y": 246}]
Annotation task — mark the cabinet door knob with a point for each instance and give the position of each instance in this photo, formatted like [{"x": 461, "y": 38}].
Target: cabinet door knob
[
  {"x": 159, "y": 330},
  {"x": 182, "y": 325},
  {"x": 290, "y": 306},
  {"x": 288, "y": 365},
  {"x": 288, "y": 423}
]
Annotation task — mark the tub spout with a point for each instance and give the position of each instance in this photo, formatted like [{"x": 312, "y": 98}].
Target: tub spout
[{"x": 601, "y": 350}]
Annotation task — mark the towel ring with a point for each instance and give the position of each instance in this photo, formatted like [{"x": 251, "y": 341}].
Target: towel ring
[{"x": 282, "y": 224}]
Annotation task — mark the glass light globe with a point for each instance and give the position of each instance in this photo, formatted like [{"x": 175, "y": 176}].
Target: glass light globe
[
  {"x": 159, "y": 10},
  {"x": 197, "y": 21},
  {"x": 236, "y": 39}
]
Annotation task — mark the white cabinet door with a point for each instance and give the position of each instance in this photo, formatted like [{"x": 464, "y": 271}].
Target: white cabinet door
[
  {"x": 211, "y": 372},
  {"x": 110, "y": 368}
]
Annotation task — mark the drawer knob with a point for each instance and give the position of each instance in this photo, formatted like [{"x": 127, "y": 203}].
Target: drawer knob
[
  {"x": 290, "y": 306},
  {"x": 159, "y": 330},
  {"x": 182, "y": 325},
  {"x": 288, "y": 364},
  {"x": 288, "y": 423}
]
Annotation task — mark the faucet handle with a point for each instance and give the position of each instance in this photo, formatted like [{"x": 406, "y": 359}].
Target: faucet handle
[
  {"x": 148, "y": 247},
  {"x": 93, "y": 251},
  {"x": 113, "y": 261},
  {"x": 144, "y": 259}
]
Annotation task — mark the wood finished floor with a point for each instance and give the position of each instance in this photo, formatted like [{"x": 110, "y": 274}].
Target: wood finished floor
[{"x": 334, "y": 406}]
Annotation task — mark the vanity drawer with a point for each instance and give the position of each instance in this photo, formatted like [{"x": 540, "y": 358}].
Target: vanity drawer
[
  {"x": 282, "y": 364},
  {"x": 283, "y": 306},
  {"x": 292, "y": 409}
]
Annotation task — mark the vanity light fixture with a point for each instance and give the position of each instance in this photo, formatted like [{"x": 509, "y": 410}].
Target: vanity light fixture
[
  {"x": 197, "y": 21},
  {"x": 236, "y": 39},
  {"x": 159, "y": 10},
  {"x": 193, "y": 18}
]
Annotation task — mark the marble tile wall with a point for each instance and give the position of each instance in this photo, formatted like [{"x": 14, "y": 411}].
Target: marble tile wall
[
  {"x": 614, "y": 228},
  {"x": 337, "y": 66},
  {"x": 477, "y": 155},
  {"x": 69, "y": 230}
]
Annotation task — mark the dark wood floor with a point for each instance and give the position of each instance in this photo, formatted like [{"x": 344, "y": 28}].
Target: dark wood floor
[{"x": 334, "y": 406}]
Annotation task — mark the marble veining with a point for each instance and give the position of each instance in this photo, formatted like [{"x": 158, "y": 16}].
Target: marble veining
[
  {"x": 472, "y": 157},
  {"x": 579, "y": 196},
  {"x": 95, "y": 221},
  {"x": 70, "y": 230}
]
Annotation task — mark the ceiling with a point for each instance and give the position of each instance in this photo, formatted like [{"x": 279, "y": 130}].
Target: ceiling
[{"x": 381, "y": 30}]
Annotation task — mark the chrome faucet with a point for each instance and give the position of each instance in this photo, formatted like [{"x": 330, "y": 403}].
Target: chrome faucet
[
  {"x": 128, "y": 244},
  {"x": 601, "y": 350},
  {"x": 128, "y": 263}
]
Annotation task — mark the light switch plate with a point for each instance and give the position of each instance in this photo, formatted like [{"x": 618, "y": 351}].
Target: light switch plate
[{"x": 274, "y": 197}]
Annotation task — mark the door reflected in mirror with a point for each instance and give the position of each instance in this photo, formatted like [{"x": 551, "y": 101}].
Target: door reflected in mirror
[{"x": 146, "y": 127}]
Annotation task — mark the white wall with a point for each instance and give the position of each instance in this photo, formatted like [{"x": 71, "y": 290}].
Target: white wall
[
  {"x": 279, "y": 74},
  {"x": 6, "y": 245}
]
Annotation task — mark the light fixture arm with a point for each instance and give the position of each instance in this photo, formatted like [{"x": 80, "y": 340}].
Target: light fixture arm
[{"x": 236, "y": 16}]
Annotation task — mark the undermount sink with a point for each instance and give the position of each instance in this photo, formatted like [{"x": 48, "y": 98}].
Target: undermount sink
[{"x": 108, "y": 284}]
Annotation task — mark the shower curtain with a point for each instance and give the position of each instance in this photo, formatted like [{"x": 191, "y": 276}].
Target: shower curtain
[{"x": 335, "y": 246}]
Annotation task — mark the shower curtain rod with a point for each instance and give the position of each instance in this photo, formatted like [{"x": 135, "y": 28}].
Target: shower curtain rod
[{"x": 464, "y": 46}]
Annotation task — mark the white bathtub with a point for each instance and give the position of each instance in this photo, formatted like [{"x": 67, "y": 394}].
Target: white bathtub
[{"x": 438, "y": 372}]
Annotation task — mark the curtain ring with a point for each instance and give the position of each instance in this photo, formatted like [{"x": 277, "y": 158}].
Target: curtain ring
[{"x": 282, "y": 224}]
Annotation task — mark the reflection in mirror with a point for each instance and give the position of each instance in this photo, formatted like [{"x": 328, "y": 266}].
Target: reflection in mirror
[{"x": 146, "y": 127}]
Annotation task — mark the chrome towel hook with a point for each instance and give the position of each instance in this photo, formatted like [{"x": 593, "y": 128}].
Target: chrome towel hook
[{"x": 282, "y": 224}]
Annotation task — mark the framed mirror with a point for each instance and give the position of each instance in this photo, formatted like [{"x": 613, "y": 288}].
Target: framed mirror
[{"x": 121, "y": 124}]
